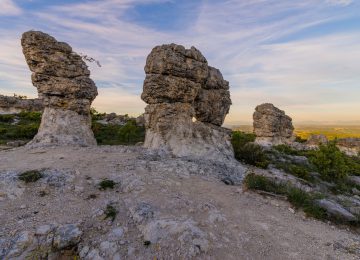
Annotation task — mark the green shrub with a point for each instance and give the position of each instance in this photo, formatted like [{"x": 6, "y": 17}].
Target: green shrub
[
  {"x": 30, "y": 176},
  {"x": 110, "y": 212},
  {"x": 248, "y": 152},
  {"x": 285, "y": 149},
  {"x": 252, "y": 154},
  {"x": 7, "y": 118},
  {"x": 331, "y": 163},
  {"x": 299, "y": 171},
  {"x": 106, "y": 184},
  {"x": 297, "y": 197},
  {"x": 240, "y": 138},
  {"x": 257, "y": 182},
  {"x": 128, "y": 134},
  {"x": 299, "y": 139},
  {"x": 31, "y": 116}
]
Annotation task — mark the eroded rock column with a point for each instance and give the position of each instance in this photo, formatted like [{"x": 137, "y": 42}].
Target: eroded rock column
[
  {"x": 63, "y": 83},
  {"x": 272, "y": 126},
  {"x": 187, "y": 104}
]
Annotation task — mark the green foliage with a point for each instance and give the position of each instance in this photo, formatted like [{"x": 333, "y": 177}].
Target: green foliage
[
  {"x": 128, "y": 134},
  {"x": 110, "y": 212},
  {"x": 297, "y": 170},
  {"x": 258, "y": 182},
  {"x": 30, "y": 176},
  {"x": 297, "y": 197},
  {"x": 31, "y": 116},
  {"x": 331, "y": 163},
  {"x": 299, "y": 139},
  {"x": 106, "y": 184},
  {"x": 248, "y": 152},
  {"x": 240, "y": 138},
  {"x": 7, "y": 118},
  {"x": 95, "y": 115},
  {"x": 26, "y": 126},
  {"x": 285, "y": 149}
]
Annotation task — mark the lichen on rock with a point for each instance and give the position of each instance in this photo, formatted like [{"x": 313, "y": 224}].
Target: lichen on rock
[{"x": 62, "y": 80}]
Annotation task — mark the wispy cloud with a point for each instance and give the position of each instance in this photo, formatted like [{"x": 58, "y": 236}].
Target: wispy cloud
[
  {"x": 260, "y": 46},
  {"x": 9, "y": 8}
]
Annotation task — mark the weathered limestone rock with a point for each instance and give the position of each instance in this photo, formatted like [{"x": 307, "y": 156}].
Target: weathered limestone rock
[
  {"x": 317, "y": 140},
  {"x": 14, "y": 105},
  {"x": 180, "y": 87},
  {"x": 350, "y": 146},
  {"x": 62, "y": 80},
  {"x": 272, "y": 126}
]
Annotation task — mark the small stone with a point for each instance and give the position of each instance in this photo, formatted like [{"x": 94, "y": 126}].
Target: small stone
[
  {"x": 292, "y": 210},
  {"x": 67, "y": 235}
]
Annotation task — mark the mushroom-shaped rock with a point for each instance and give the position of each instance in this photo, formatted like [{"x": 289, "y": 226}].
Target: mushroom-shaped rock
[
  {"x": 62, "y": 80},
  {"x": 180, "y": 86},
  {"x": 272, "y": 126}
]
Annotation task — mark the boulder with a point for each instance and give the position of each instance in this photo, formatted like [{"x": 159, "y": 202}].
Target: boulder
[
  {"x": 317, "y": 139},
  {"x": 272, "y": 126},
  {"x": 62, "y": 80},
  {"x": 187, "y": 104},
  {"x": 350, "y": 146}
]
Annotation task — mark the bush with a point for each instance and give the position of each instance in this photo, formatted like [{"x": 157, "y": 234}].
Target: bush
[
  {"x": 31, "y": 116},
  {"x": 248, "y": 152},
  {"x": 128, "y": 134},
  {"x": 299, "y": 171},
  {"x": 285, "y": 149},
  {"x": 298, "y": 198},
  {"x": 30, "y": 176},
  {"x": 331, "y": 163},
  {"x": 299, "y": 139},
  {"x": 7, "y": 118}
]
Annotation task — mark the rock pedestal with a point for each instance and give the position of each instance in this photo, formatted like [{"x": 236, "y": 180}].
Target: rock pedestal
[
  {"x": 187, "y": 104},
  {"x": 62, "y": 80},
  {"x": 272, "y": 126}
]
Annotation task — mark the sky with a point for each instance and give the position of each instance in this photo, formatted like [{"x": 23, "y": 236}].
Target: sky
[{"x": 302, "y": 56}]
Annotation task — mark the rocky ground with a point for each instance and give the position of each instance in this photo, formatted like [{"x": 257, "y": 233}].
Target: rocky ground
[{"x": 166, "y": 208}]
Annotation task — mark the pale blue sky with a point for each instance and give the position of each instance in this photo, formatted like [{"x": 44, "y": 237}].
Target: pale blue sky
[{"x": 303, "y": 56}]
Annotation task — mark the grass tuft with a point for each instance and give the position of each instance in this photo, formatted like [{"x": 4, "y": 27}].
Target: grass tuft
[
  {"x": 30, "y": 176},
  {"x": 110, "y": 212},
  {"x": 106, "y": 184}
]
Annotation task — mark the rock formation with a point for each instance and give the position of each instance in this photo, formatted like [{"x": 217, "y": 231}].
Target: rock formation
[
  {"x": 316, "y": 140},
  {"x": 272, "y": 126},
  {"x": 14, "y": 104},
  {"x": 62, "y": 80},
  {"x": 350, "y": 146},
  {"x": 187, "y": 104}
]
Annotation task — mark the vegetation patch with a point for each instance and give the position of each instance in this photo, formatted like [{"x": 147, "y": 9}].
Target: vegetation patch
[
  {"x": 110, "y": 212},
  {"x": 30, "y": 176},
  {"x": 247, "y": 151},
  {"x": 330, "y": 162},
  {"x": 22, "y": 126},
  {"x": 297, "y": 197},
  {"x": 106, "y": 184}
]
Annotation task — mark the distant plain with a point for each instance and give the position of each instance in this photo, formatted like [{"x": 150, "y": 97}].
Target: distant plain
[{"x": 304, "y": 131}]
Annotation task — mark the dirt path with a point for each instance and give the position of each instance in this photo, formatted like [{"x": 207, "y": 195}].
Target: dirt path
[{"x": 191, "y": 216}]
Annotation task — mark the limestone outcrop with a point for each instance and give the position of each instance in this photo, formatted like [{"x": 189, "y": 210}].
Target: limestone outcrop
[
  {"x": 272, "y": 126},
  {"x": 63, "y": 83},
  {"x": 350, "y": 146},
  {"x": 15, "y": 104},
  {"x": 315, "y": 140},
  {"x": 187, "y": 103}
]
